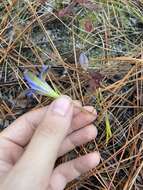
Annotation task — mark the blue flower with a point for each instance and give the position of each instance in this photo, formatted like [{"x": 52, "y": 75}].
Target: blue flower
[
  {"x": 83, "y": 61},
  {"x": 39, "y": 85}
]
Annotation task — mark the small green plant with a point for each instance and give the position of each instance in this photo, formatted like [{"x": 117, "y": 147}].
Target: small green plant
[
  {"x": 107, "y": 120},
  {"x": 108, "y": 128}
]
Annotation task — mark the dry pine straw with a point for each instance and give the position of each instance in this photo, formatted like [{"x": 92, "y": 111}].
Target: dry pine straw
[{"x": 121, "y": 90}]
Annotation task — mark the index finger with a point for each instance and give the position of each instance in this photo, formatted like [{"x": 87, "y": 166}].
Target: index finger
[{"x": 22, "y": 129}]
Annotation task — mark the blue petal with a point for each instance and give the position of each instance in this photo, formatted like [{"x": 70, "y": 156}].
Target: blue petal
[
  {"x": 33, "y": 84},
  {"x": 43, "y": 73},
  {"x": 83, "y": 61}
]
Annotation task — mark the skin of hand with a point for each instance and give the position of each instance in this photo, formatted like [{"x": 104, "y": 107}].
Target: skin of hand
[{"x": 30, "y": 146}]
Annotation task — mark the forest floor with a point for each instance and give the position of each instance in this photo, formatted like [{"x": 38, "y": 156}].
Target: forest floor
[{"x": 109, "y": 33}]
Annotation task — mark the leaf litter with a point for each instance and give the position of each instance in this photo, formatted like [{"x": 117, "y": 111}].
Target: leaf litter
[{"x": 108, "y": 35}]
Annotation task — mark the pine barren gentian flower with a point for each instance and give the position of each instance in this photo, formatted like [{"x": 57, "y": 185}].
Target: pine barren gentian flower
[
  {"x": 39, "y": 85},
  {"x": 83, "y": 61}
]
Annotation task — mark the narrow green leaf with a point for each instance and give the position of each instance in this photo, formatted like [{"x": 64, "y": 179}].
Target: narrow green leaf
[{"x": 108, "y": 128}]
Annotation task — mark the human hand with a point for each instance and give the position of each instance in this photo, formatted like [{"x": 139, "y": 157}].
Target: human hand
[{"x": 30, "y": 146}]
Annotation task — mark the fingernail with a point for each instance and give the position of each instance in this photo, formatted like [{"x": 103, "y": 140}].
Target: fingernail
[
  {"x": 91, "y": 109},
  {"x": 61, "y": 105}
]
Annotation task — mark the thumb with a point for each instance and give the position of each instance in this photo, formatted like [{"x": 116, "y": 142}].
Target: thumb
[{"x": 36, "y": 164}]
